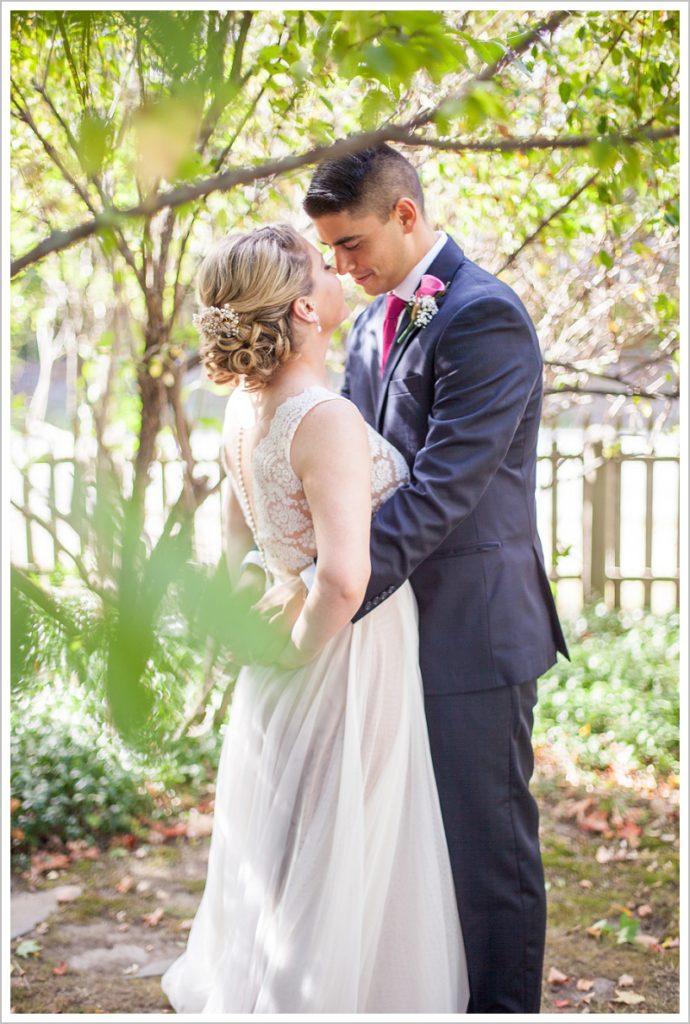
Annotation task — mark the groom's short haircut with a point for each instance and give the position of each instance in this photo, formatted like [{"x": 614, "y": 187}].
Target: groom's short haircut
[{"x": 371, "y": 181}]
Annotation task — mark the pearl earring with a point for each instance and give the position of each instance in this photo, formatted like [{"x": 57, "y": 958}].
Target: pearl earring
[{"x": 315, "y": 319}]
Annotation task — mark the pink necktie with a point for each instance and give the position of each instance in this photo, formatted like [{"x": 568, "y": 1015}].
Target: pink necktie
[{"x": 394, "y": 307}]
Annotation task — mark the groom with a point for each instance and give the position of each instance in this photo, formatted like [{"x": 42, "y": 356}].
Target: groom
[{"x": 455, "y": 383}]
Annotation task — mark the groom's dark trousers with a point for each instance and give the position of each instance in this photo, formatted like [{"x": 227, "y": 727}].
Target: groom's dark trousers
[
  {"x": 461, "y": 399},
  {"x": 482, "y": 754}
]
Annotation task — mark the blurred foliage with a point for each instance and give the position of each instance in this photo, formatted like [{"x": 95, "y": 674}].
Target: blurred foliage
[
  {"x": 114, "y": 109},
  {"x": 74, "y": 779},
  {"x": 70, "y": 778},
  {"x": 617, "y": 703},
  {"x": 614, "y": 707}
]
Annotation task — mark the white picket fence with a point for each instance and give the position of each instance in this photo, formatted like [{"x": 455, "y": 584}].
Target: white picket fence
[{"x": 608, "y": 516}]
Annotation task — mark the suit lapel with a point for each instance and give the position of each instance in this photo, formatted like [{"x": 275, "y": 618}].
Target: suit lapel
[{"x": 444, "y": 267}]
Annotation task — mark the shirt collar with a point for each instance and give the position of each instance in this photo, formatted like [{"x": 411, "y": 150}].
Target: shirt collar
[{"x": 408, "y": 286}]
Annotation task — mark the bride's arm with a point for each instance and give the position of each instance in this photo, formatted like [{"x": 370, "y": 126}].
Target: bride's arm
[{"x": 330, "y": 455}]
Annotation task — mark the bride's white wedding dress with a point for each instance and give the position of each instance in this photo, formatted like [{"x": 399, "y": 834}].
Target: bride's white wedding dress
[{"x": 329, "y": 887}]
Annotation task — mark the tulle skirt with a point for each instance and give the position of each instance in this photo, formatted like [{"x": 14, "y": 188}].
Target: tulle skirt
[{"x": 329, "y": 887}]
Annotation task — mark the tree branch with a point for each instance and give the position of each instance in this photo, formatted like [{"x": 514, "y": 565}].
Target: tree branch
[
  {"x": 513, "y": 145},
  {"x": 547, "y": 220},
  {"x": 230, "y": 179},
  {"x": 38, "y": 596},
  {"x": 122, "y": 245},
  {"x": 629, "y": 391},
  {"x": 79, "y": 565},
  {"x": 246, "y": 175},
  {"x": 25, "y": 116}
]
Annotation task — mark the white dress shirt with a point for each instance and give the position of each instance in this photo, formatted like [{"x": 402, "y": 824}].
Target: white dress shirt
[{"x": 409, "y": 284}]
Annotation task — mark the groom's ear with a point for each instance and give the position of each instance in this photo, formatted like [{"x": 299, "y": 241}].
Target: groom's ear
[{"x": 406, "y": 213}]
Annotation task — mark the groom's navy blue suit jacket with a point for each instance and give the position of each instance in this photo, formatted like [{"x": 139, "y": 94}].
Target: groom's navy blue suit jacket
[{"x": 461, "y": 399}]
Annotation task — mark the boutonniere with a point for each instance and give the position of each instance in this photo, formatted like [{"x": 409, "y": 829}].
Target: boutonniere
[{"x": 424, "y": 304}]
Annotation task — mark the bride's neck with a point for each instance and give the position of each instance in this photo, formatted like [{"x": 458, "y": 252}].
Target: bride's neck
[{"x": 307, "y": 367}]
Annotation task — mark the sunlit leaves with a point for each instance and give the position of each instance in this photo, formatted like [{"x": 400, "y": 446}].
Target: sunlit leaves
[
  {"x": 377, "y": 105},
  {"x": 466, "y": 113},
  {"x": 174, "y": 37},
  {"x": 489, "y": 50},
  {"x": 604, "y": 155},
  {"x": 93, "y": 142},
  {"x": 565, "y": 90},
  {"x": 393, "y": 48}
]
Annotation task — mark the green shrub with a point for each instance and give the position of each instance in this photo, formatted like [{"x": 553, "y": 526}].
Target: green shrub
[
  {"x": 74, "y": 778},
  {"x": 618, "y": 699}
]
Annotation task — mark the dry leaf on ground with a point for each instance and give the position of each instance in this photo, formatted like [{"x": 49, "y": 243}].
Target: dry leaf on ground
[
  {"x": 154, "y": 917},
  {"x": 629, "y": 998}
]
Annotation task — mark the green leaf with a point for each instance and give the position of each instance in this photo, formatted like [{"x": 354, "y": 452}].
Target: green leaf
[
  {"x": 381, "y": 61},
  {"x": 92, "y": 143},
  {"x": 489, "y": 50},
  {"x": 377, "y": 105},
  {"x": 565, "y": 91},
  {"x": 604, "y": 155},
  {"x": 631, "y": 164},
  {"x": 29, "y": 947},
  {"x": 628, "y": 928}
]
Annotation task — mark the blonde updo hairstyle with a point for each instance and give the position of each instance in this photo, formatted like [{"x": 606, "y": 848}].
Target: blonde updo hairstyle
[{"x": 248, "y": 284}]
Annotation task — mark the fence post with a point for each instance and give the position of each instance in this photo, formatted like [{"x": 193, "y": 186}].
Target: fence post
[
  {"x": 553, "y": 458},
  {"x": 594, "y": 525},
  {"x": 648, "y": 530},
  {"x": 614, "y": 518}
]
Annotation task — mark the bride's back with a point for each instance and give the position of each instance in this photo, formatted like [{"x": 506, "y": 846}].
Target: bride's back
[{"x": 261, "y": 459}]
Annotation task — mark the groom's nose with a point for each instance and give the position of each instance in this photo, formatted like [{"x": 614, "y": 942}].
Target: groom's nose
[{"x": 344, "y": 262}]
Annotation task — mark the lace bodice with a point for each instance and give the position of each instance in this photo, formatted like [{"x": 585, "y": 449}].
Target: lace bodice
[{"x": 284, "y": 528}]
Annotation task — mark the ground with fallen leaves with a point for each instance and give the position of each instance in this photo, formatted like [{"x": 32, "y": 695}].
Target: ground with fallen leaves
[{"x": 120, "y": 915}]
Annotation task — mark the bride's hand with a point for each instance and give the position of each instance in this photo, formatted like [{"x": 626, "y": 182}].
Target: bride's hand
[
  {"x": 267, "y": 623},
  {"x": 282, "y": 603},
  {"x": 291, "y": 657}
]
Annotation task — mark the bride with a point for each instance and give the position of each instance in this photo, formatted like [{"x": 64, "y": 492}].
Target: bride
[{"x": 329, "y": 886}]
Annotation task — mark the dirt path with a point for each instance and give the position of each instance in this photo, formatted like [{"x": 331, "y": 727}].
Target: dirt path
[{"x": 124, "y": 916}]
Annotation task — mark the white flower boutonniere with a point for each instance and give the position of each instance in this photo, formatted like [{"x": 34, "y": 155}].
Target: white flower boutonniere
[{"x": 424, "y": 304}]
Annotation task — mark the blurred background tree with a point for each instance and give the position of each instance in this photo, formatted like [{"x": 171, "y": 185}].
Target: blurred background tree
[{"x": 546, "y": 142}]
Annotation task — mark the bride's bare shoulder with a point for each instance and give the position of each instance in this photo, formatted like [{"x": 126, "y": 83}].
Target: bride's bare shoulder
[{"x": 329, "y": 430}]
